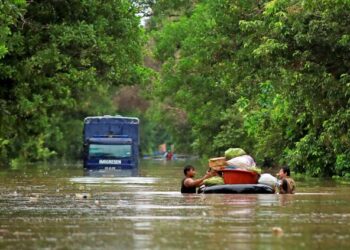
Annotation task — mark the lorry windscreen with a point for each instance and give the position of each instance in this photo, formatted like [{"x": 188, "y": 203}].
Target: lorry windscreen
[{"x": 109, "y": 151}]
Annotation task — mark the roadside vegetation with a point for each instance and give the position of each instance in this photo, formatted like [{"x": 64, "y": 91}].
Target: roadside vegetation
[
  {"x": 61, "y": 61},
  {"x": 272, "y": 77}
]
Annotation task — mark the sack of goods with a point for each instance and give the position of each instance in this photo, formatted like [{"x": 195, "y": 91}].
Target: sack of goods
[
  {"x": 234, "y": 152},
  {"x": 268, "y": 179},
  {"x": 244, "y": 162}
]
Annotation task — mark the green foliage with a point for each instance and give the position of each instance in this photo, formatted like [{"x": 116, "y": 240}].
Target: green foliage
[
  {"x": 161, "y": 11},
  {"x": 10, "y": 13},
  {"x": 271, "y": 77},
  {"x": 61, "y": 61}
]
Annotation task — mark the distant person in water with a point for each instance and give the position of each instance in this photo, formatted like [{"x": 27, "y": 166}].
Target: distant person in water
[
  {"x": 189, "y": 184},
  {"x": 287, "y": 184},
  {"x": 169, "y": 156}
]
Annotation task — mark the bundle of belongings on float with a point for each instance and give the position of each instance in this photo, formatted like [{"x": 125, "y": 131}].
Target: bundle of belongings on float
[{"x": 237, "y": 167}]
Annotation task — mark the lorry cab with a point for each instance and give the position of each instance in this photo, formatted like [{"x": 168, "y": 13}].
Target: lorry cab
[{"x": 111, "y": 142}]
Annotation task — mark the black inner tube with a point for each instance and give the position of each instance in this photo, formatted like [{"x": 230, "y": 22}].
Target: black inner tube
[{"x": 238, "y": 189}]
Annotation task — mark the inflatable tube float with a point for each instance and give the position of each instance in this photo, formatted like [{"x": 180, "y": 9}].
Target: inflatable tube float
[{"x": 238, "y": 189}]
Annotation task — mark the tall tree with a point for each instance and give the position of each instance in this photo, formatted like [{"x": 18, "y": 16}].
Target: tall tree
[
  {"x": 269, "y": 76},
  {"x": 65, "y": 59}
]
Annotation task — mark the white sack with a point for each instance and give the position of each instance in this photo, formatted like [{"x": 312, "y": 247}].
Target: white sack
[
  {"x": 244, "y": 162},
  {"x": 268, "y": 179}
]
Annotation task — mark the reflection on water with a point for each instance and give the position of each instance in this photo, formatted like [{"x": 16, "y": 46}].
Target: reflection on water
[
  {"x": 113, "y": 180},
  {"x": 112, "y": 173},
  {"x": 67, "y": 208}
]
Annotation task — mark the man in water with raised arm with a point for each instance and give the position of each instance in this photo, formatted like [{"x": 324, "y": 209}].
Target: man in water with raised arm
[
  {"x": 287, "y": 184},
  {"x": 188, "y": 184}
]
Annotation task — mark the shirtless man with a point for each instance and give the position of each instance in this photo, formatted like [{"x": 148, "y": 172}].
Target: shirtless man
[{"x": 188, "y": 184}]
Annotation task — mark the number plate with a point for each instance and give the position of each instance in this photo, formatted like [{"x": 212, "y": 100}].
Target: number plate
[{"x": 110, "y": 162}]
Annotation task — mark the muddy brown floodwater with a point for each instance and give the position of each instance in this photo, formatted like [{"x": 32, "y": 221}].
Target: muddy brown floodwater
[{"x": 63, "y": 207}]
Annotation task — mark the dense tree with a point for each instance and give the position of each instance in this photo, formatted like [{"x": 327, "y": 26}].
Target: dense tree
[
  {"x": 269, "y": 76},
  {"x": 272, "y": 77},
  {"x": 62, "y": 61}
]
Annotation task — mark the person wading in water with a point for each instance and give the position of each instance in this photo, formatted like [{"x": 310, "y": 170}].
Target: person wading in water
[
  {"x": 287, "y": 185},
  {"x": 188, "y": 184}
]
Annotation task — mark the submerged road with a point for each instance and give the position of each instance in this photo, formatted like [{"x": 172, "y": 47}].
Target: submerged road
[{"x": 61, "y": 207}]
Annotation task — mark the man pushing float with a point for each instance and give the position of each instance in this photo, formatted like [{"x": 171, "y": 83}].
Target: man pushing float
[{"x": 236, "y": 173}]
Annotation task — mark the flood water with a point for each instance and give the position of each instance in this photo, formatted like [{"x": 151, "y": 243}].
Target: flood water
[{"x": 62, "y": 207}]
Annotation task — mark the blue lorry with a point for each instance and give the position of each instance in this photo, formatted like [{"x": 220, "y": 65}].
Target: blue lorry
[{"x": 111, "y": 142}]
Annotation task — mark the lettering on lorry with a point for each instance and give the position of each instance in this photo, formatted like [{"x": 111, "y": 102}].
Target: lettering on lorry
[{"x": 113, "y": 162}]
